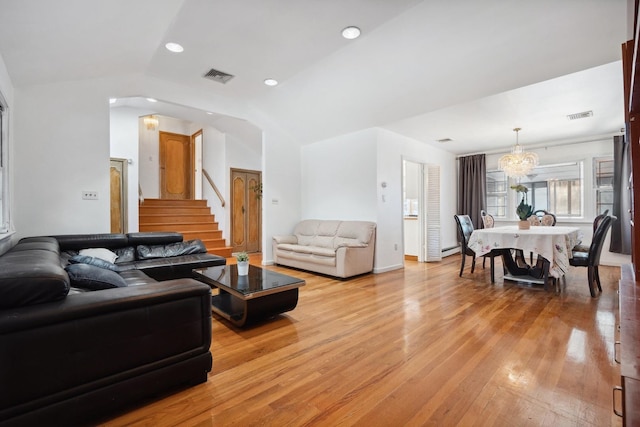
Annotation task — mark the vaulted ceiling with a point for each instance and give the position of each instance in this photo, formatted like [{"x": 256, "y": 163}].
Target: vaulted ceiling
[{"x": 432, "y": 69}]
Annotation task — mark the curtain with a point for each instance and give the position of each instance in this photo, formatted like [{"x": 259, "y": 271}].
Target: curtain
[
  {"x": 472, "y": 187},
  {"x": 621, "y": 226}
]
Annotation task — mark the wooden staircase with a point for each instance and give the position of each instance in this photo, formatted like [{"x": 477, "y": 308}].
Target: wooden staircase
[{"x": 192, "y": 218}]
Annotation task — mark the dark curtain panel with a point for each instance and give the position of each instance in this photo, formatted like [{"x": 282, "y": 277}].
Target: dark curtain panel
[
  {"x": 621, "y": 227},
  {"x": 472, "y": 187}
]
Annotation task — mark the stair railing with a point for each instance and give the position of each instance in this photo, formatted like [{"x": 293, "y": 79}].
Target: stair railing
[{"x": 213, "y": 185}]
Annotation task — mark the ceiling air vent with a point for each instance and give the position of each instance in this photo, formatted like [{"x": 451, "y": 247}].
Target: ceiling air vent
[
  {"x": 582, "y": 115},
  {"x": 218, "y": 76},
  {"x": 443, "y": 140}
]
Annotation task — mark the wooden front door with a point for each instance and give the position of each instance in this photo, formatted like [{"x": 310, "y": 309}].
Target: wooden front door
[
  {"x": 176, "y": 166},
  {"x": 118, "y": 195},
  {"x": 246, "y": 207}
]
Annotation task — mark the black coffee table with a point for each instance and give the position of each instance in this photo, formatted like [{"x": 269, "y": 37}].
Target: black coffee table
[{"x": 246, "y": 299}]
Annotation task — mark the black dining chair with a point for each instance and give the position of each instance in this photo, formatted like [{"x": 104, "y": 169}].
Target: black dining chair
[
  {"x": 591, "y": 259},
  {"x": 465, "y": 228},
  {"x": 596, "y": 222}
]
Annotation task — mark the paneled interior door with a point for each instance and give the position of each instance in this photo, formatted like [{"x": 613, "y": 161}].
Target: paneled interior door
[
  {"x": 246, "y": 207},
  {"x": 118, "y": 196},
  {"x": 176, "y": 166}
]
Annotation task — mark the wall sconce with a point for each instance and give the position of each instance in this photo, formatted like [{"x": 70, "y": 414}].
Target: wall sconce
[{"x": 151, "y": 122}]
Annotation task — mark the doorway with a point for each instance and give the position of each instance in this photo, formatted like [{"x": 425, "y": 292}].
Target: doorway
[
  {"x": 118, "y": 195},
  {"x": 421, "y": 208},
  {"x": 177, "y": 169},
  {"x": 246, "y": 210}
]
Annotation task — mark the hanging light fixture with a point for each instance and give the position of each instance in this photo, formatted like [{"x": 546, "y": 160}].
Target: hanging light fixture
[
  {"x": 519, "y": 162},
  {"x": 151, "y": 122}
]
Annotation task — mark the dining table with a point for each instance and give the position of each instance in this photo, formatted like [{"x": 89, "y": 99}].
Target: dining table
[{"x": 552, "y": 243}]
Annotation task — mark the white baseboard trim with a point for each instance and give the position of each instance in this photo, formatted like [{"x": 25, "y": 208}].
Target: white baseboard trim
[{"x": 387, "y": 268}]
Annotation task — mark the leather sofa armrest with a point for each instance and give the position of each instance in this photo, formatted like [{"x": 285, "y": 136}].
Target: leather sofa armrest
[{"x": 285, "y": 239}]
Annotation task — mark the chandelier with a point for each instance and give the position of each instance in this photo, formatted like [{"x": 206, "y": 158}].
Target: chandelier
[
  {"x": 519, "y": 163},
  {"x": 151, "y": 122}
]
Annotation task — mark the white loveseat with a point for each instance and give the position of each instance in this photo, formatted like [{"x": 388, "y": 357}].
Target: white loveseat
[{"x": 336, "y": 248}]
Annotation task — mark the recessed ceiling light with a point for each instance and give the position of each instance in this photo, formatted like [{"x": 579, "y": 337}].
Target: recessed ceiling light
[
  {"x": 174, "y": 47},
  {"x": 112, "y": 100},
  {"x": 271, "y": 82},
  {"x": 152, "y": 100},
  {"x": 351, "y": 33},
  {"x": 210, "y": 113}
]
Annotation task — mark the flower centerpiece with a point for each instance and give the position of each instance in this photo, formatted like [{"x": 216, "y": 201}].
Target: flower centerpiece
[
  {"x": 524, "y": 209},
  {"x": 243, "y": 263}
]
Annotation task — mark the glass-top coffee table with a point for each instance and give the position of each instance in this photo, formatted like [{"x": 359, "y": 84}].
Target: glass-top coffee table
[{"x": 245, "y": 299}]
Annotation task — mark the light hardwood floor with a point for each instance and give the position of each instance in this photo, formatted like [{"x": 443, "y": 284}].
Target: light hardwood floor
[{"x": 412, "y": 347}]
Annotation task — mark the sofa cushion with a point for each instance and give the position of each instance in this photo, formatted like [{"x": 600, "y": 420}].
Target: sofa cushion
[
  {"x": 323, "y": 252},
  {"x": 31, "y": 277},
  {"x": 354, "y": 233},
  {"x": 295, "y": 248},
  {"x": 102, "y": 253},
  {"x": 94, "y": 278},
  {"x": 97, "y": 262},
  {"x": 306, "y": 230},
  {"x": 126, "y": 254},
  {"x": 171, "y": 250}
]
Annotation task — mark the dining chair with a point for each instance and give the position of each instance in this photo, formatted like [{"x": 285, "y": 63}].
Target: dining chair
[
  {"x": 596, "y": 222},
  {"x": 487, "y": 222},
  {"x": 465, "y": 228},
  {"x": 534, "y": 220},
  {"x": 546, "y": 218},
  {"x": 591, "y": 259},
  {"x": 487, "y": 219}
]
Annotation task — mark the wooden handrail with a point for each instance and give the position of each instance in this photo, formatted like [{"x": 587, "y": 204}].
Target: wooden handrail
[{"x": 213, "y": 185}]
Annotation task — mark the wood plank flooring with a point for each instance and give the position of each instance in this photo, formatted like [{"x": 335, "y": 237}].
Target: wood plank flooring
[{"x": 413, "y": 347}]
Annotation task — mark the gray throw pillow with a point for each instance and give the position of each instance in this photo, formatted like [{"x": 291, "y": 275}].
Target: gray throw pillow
[
  {"x": 97, "y": 262},
  {"x": 94, "y": 278}
]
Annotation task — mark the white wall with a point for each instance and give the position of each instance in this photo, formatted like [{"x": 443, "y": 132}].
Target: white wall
[
  {"x": 339, "y": 178},
  {"x": 124, "y": 144},
  {"x": 61, "y": 134},
  {"x": 342, "y": 178},
  {"x": 392, "y": 149},
  {"x": 214, "y": 153},
  {"x": 281, "y": 191}
]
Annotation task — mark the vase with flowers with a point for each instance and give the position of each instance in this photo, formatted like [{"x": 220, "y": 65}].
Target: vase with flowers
[{"x": 524, "y": 209}]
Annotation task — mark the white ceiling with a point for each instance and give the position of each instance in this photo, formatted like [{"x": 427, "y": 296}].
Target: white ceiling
[{"x": 466, "y": 70}]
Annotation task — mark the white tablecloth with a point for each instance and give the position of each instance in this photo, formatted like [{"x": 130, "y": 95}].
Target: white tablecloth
[{"x": 552, "y": 243}]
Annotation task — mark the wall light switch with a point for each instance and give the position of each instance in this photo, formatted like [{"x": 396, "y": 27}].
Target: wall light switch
[{"x": 89, "y": 195}]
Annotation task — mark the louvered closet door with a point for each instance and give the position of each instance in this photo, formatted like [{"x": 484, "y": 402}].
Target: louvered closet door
[{"x": 431, "y": 248}]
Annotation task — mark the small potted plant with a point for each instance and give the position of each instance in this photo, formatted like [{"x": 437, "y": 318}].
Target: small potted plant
[
  {"x": 524, "y": 209},
  {"x": 243, "y": 263}
]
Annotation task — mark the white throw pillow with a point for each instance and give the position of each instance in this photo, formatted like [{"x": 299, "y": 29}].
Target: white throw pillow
[{"x": 101, "y": 253}]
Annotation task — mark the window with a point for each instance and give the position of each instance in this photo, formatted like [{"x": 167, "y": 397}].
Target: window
[
  {"x": 497, "y": 194},
  {"x": 603, "y": 183},
  {"x": 555, "y": 188}
]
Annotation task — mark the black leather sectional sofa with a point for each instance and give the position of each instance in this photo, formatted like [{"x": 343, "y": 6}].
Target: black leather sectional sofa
[{"x": 72, "y": 356}]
